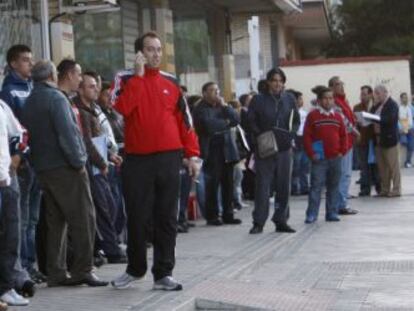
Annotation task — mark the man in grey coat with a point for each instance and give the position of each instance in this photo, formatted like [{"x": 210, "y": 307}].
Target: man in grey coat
[{"x": 59, "y": 158}]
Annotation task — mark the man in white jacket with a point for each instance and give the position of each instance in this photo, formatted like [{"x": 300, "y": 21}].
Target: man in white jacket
[{"x": 9, "y": 224}]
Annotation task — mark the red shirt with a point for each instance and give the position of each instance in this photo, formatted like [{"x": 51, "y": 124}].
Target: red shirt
[
  {"x": 327, "y": 127},
  {"x": 348, "y": 117},
  {"x": 156, "y": 115}
]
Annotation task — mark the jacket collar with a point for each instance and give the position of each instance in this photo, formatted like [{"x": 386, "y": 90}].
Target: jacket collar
[
  {"x": 325, "y": 112},
  {"x": 151, "y": 72}
]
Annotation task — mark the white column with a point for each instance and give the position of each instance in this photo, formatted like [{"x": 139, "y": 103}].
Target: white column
[{"x": 44, "y": 13}]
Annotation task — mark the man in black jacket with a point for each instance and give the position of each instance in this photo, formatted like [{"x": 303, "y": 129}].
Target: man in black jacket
[
  {"x": 274, "y": 110},
  {"x": 213, "y": 119},
  {"x": 59, "y": 158},
  {"x": 387, "y": 143}
]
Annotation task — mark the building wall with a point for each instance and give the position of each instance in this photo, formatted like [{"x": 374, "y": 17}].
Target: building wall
[
  {"x": 395, "y": 74},
  {"x": 130, "y": 30}
]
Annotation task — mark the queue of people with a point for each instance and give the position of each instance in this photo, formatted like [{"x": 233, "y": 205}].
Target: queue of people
[{"x": 88, "y": 166}]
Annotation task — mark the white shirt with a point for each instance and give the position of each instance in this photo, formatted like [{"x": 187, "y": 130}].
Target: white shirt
[
  {"x": 303, "y": 114},
  {"x": 5, "y": 160},
  {"x": 107, "y": 129},
  {"x": 406, "y": 117}
]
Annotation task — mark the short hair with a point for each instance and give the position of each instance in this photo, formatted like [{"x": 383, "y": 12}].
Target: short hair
[
  {"x": 243, "y": 99},
  {"x": 91, "y": 73},
  {"x": 183, "y": 88},
  {"x": 276, "y": 71},
  {"x": 207, "y": 85},
  {"x": 42, "y": 70},
  {"x": 295, "y": 93},
  {"x": 262, "y": 86},
  {"x": 403, "y": 93},
  {"x": 320, "y": 91},
  {"x": 14, "y": 52},
  {"x": 332, "y": 80},
  {"x": 139, "y": 43},
  {"x": 368, "y": 88},
  {"x": 106, "y": 85},
  {"x": 65, "y": 66}
]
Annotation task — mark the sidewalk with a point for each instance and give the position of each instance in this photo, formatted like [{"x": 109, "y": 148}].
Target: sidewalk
[{"x": 364, "y": 262}]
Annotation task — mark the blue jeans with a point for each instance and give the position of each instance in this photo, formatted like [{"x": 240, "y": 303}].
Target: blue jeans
[
  {"x": 30, "y": 196},
  {"x": 12, "y": 274},
  {"x": 237, "y": 192},
  {"x": 201, "y": 193},
  {"x": 345, "y": 181},
  {"x": 185, "y": 189},
  {"x": 324, "y": 173},
  {"x": 408, "y": 140},
  {"x": 300, "y": 172}
]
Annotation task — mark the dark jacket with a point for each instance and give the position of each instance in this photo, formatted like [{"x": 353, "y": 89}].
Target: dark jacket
[
  {"x": 212, "y": 123},
  {"x": 267, "y": 111},
  {"x": 15, "y": 92},
  {"x": 54, "y": 136},
  {"x": 389, "y": 134},
  {"x": 90, "y": 128}
]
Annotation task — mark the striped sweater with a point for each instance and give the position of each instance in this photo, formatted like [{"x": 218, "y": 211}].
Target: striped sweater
[{"x": 328, "y": 127}]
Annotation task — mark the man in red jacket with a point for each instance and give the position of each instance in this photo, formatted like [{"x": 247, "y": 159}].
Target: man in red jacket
[
  {"x": 158, "y": 133},
  {"x": 344, "y": 109}
]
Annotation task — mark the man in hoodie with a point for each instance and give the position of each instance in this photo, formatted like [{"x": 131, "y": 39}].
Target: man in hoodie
[{"x": 17, "y": 86}]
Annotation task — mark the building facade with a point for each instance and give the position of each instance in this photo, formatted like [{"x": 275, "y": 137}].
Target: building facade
[{"x": 203, "y": 40}]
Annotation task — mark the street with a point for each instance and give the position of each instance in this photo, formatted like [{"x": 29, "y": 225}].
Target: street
[{"x": 364, "y": 262}]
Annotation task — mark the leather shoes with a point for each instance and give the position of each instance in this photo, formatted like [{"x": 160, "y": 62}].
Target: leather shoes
[
  {"x": 91, "y": 280},
  {"x": 364, "y": 194},
  {"x": 332, "y": 218},
  {"x": 232, "y": 221},
  {"x": 214, "y": 222},
  {"x": 256, "y": 229},
  {"x": 28, "y": 289},
  {"x": 117, "y": 259},
  {"x": 347, "y": 211},
  {"x": 284, "y": 228}
]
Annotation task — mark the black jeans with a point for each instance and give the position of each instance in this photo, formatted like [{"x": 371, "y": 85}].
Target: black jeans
[
  {"x": 218, "y": 173},
  {"x": 151, "y": 188}
]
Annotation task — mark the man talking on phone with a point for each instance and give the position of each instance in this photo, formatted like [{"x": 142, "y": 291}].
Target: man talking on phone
[{"x": 158, "y": 134}]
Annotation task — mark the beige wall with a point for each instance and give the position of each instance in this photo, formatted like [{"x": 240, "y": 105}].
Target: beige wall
[{"x": 395, "y": 74}]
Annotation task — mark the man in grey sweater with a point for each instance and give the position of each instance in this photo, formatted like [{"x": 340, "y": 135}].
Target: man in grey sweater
[{"x": 59, "y": 158}]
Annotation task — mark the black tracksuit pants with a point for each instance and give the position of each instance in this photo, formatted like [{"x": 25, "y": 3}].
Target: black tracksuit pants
[{"x": 151, "y": 188}]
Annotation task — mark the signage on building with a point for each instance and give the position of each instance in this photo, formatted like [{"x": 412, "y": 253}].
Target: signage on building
[{"x": 62, "y": 39}]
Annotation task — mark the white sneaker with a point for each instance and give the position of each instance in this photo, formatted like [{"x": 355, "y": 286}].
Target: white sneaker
[
  {"x": 124, "y": 281},
  {"x": 167, "y": 283},
  {"x": 14, "y": 299}
]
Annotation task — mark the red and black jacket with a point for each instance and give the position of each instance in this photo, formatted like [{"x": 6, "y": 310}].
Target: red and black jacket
[{"x": 157, "y": 117}]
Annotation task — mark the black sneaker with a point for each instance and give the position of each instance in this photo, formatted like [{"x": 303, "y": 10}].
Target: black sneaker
[
  {"x": 215, "y": 222},
  {"x": 256, "y": 229},
  {"x": 347, "y": 211},
  {"x": 284, "y": 228},
  {"x": 232, "y": 221},
  {"x": 167, "y": 283}
]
